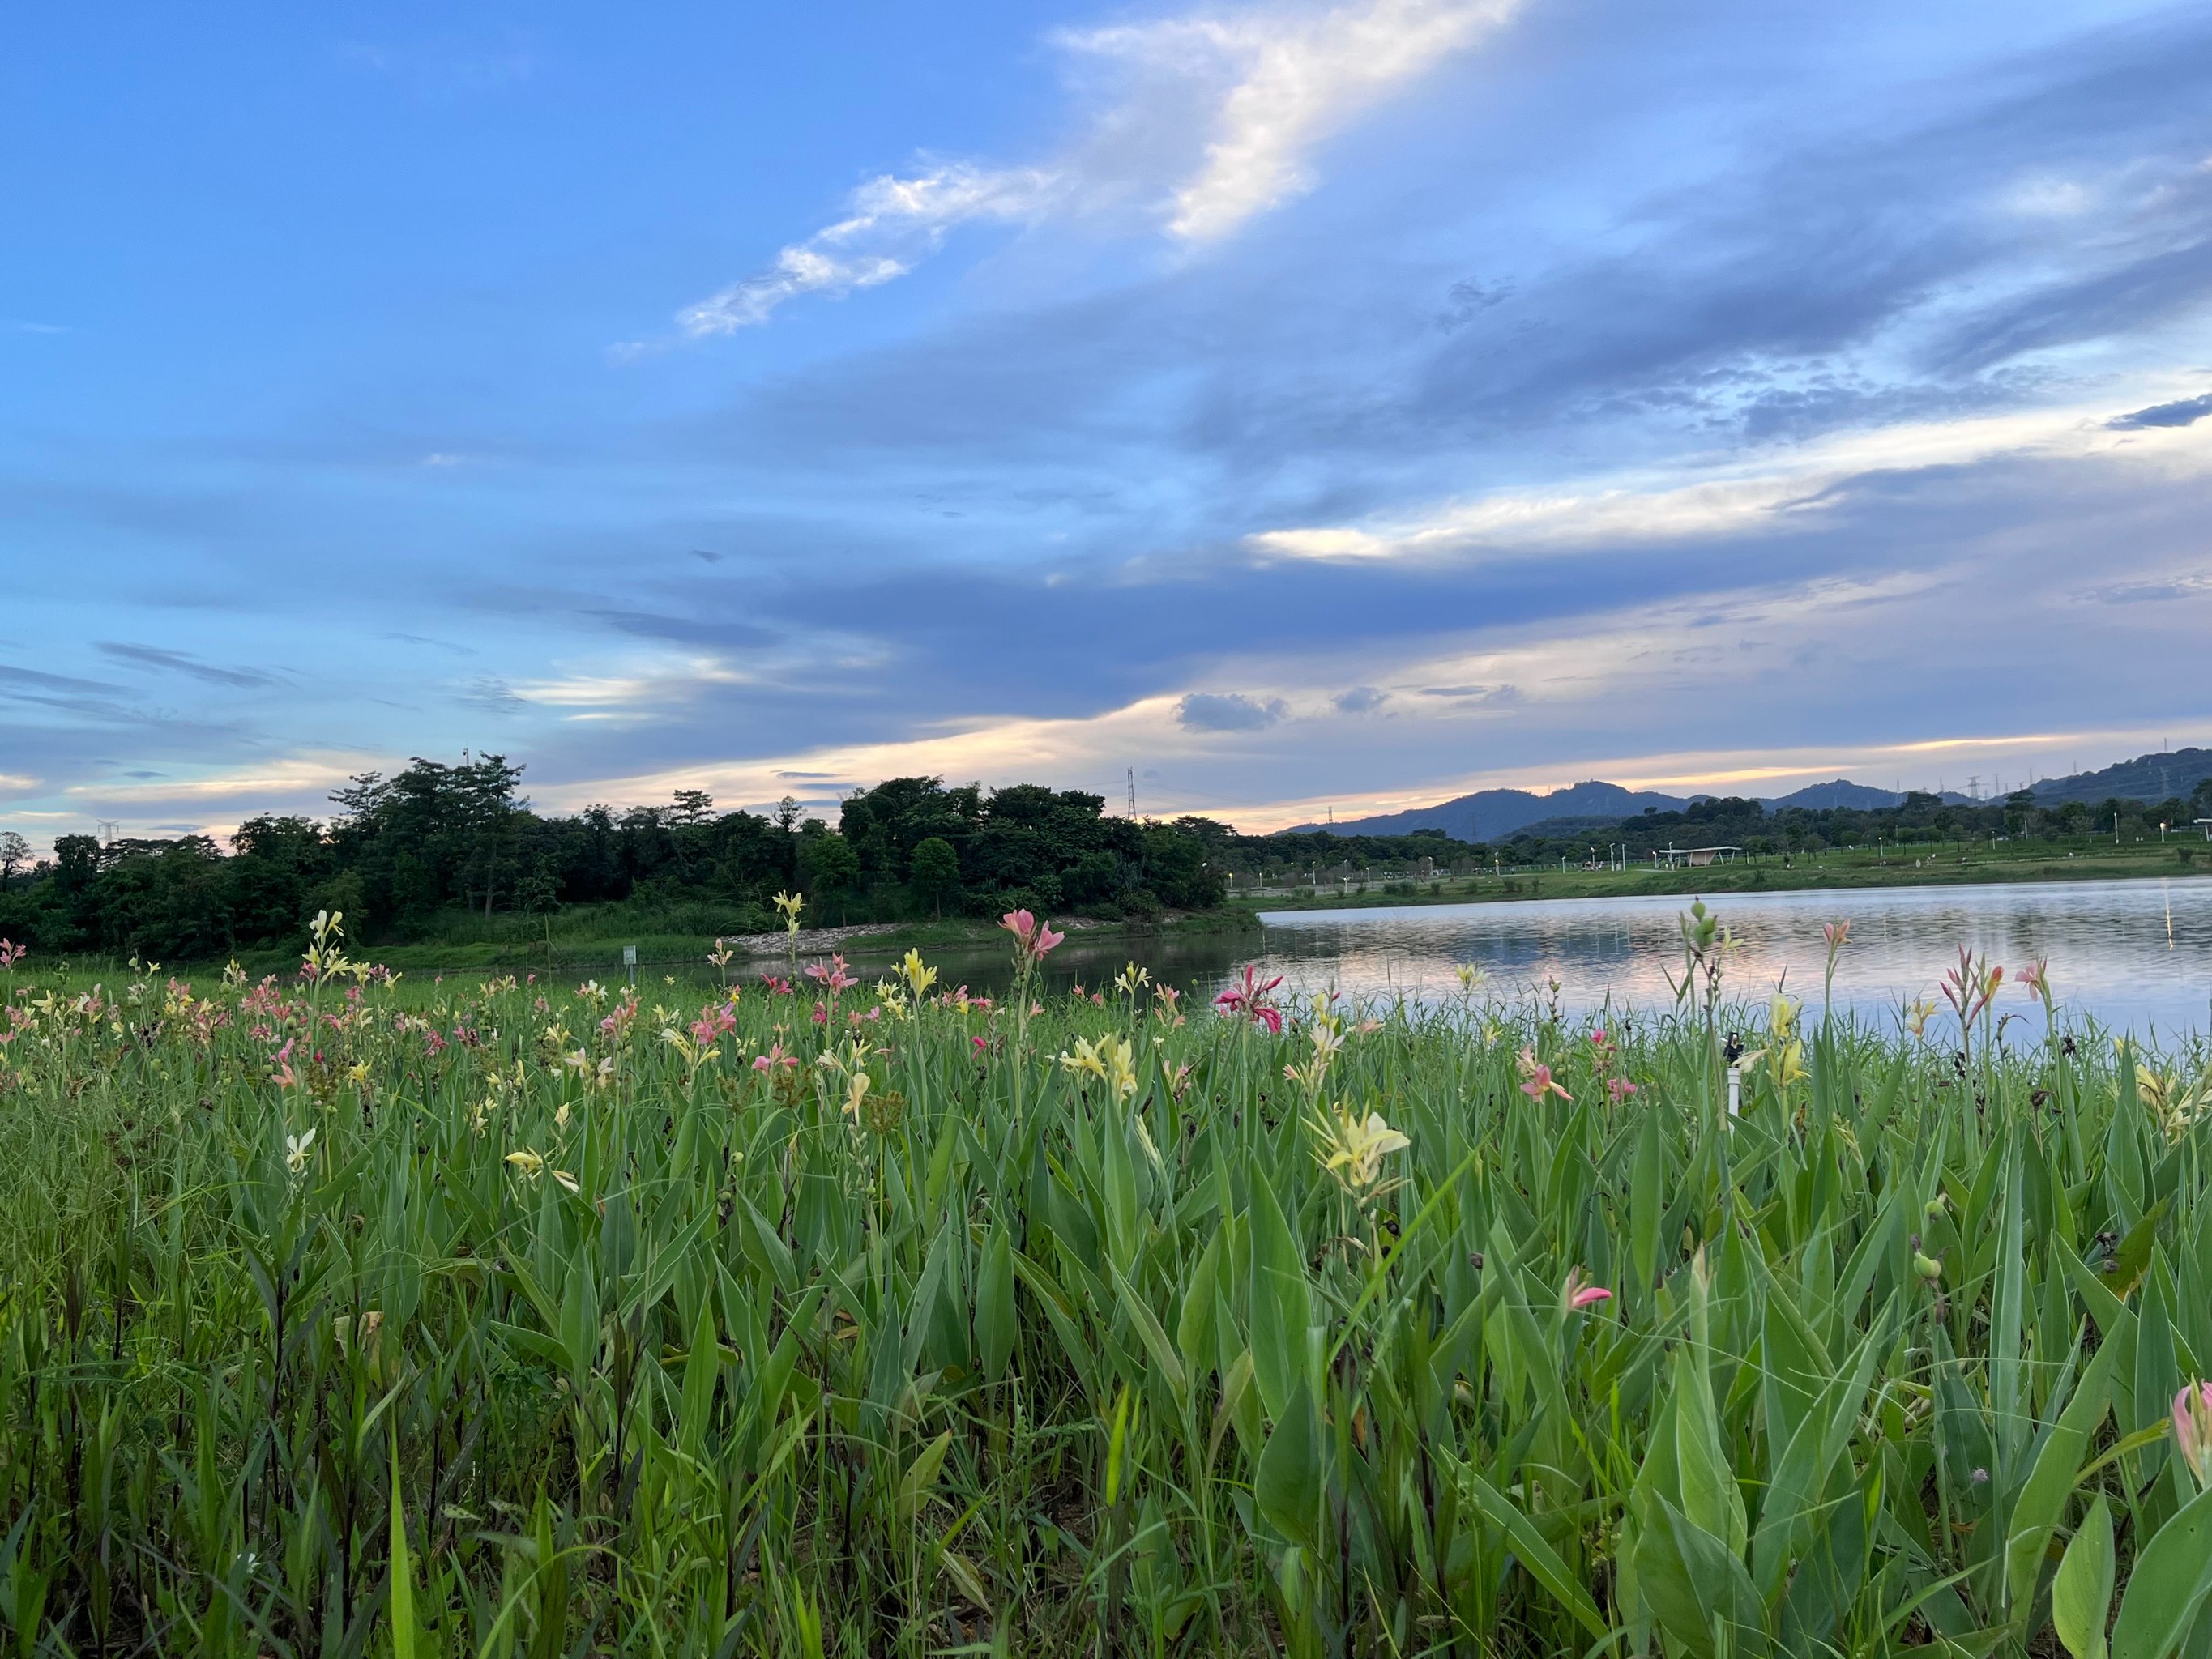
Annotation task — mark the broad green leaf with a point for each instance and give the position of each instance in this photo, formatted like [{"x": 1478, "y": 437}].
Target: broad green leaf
[
  {"x": 2081, "y": 1595},
  {"x": 1281, "y": 1304},
  {"x": 403, "y": 1574},
  {"x": 995, "y": 1326},
  {"x": 2166, "y": 1585},
  {"x": 1287, "y": 1484},
  {"x": 1822, "y": 1435},
  {"x": 1647, "y": 1202},
  {"x": 1695, "y": 1586},
  {"x": 2041, "y": 1500},
  {"x": 1710, "y": 1497},
  {"x": 921, "y": 1474},
  {"x": 703, "y": 1370},
  {"x": 1150, "y": 1333},
  {"x": 1542, "y": 1561}
]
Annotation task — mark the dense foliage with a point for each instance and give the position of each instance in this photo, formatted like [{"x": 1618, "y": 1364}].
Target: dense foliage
[
  {"x": 344, "y": 1317},
  {"x": 1922, "y": 822},
  {"x": 407, "y": 854}
]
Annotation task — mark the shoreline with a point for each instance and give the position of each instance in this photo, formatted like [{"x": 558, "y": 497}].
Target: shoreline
[{"x": 1712, "y": 881}]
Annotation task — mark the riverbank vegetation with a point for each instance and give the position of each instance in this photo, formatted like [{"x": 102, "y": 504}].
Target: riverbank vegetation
[
  {"x": 453, "y": 855},
  {"x": 447, "y": 866},
  {"x": 812, "y": 1317}
]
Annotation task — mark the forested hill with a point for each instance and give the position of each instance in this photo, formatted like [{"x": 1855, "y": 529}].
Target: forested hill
[
  {"x": 2147, "y": 778},
  {"x": 1491, "y": 815},
  {"x": 403, "y": 856}
]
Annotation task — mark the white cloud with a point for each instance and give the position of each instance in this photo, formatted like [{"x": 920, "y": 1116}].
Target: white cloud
[
  {"x": 1293, "y": 81},
  {"x": 1761, "y": 491},
  {"x": 893, "y": 224},
  {"x": 286, "y": 779},
  {"x": 1213, "y": 120},
  {"x": 659, "y": 682}
]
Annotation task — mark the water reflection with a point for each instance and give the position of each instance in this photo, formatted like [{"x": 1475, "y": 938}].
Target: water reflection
[
  {"x": 2129, "y": 953},
  {"x": 2132, "y": 954}
]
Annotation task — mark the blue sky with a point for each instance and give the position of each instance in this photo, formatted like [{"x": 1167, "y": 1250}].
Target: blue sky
[{"x": 1297, "y": 404}]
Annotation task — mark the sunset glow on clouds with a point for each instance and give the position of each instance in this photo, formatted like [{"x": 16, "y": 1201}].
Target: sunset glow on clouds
[{"x": 1295, "y": 404}]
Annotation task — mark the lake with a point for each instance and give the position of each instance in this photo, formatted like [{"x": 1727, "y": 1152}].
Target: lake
[
  {"x": 2129, "y": 954},
  {"x": 2136, "y": 954}
]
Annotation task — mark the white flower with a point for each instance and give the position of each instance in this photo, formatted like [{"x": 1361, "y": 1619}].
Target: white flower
[{"x": 296, "y": 1150}]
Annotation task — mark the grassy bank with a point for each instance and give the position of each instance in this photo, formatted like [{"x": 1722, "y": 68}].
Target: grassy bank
[
  {"x": 334, "y": 1319},
  {"x": 591, "y": 944},
  {"x": 2089, "y": 861}
]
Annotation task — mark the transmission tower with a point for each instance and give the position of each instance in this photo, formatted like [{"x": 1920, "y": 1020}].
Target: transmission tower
[
  {"x": 108, "y": 827},
  {"x": 1133, "y": 792}
]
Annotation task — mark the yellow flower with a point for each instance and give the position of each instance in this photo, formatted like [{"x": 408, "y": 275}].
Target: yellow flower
[
  {"x": 1110, "y": 1060},
  {"x": 1781, "y": 1017},
  {"x": 1131, "y": 980},
  {"x": 1084, "y": 1058},
  {"x": 1471, "y": 978},
  {"x": 1352, "y": 1149},
  {"x": 1918, "y": 1013},
  {"x": 917, "y": 974},
  {"x": 528, "y": 1162},
  {"x": 855, "y": 1093},
  {"x": 791, "y": 904},
  {"x": 1789, "y": 1064}
]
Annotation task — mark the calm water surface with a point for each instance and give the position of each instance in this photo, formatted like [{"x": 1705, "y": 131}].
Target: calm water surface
[{"x": 2128, "y": 953}]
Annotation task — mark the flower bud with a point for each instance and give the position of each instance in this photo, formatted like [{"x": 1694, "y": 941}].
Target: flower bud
[{"x": 2192, "y": 1427}]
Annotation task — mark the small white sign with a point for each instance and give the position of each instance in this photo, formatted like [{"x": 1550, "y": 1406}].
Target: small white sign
[{"x": 630, "y": 955}]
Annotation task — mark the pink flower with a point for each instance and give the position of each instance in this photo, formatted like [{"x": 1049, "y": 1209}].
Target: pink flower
[
  {"x": 980, "y": 1044},
  {"x": 1578, "y": 1293},
  {"x": 1252, "y": 1000},
  {"x": 2192, "y": 1427},
  {"x": 11, "y": 953},
  {"x": 1835, "y": 933},
  {"x": 1620, "y": 1088},
  {"x": 1540, "y": 1082},
  {"x": 834, "y": 975},
  {"x": 820, "y": 1016},
  {"x": 774, "y": 1058},
  {"x": 777, "y": 987},
  {"x": 1032, "y": 938}
]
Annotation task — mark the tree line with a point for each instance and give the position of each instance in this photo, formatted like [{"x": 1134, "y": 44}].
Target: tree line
[
  {"x": 1921, "y": 819},
  {"x": 410, "y": 855}
]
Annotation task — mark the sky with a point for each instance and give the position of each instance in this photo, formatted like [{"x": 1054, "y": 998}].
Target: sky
[{"x": 1287, "y": 407}]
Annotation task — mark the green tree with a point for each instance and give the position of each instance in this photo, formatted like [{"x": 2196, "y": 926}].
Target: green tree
[
  {"x": 828, "y": 867},
  {"x": 14, "y": 854},
  {"x": 936, "y": 869}
]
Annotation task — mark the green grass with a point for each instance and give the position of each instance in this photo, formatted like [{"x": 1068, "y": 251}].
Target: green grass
[
  {"x": 589, "y": 940},
  {"x": 491, "y": 1319}
]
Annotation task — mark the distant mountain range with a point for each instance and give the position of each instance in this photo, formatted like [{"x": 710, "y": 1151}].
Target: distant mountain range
[
  {"x": 2145, "y": 778},
  {"x": 1494, "y": 814}
]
